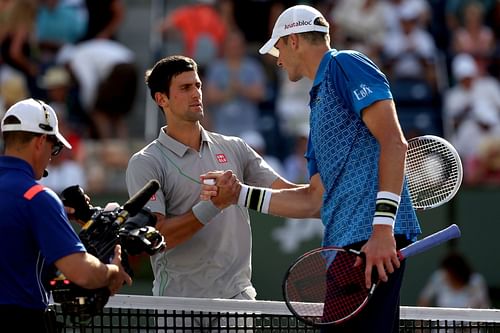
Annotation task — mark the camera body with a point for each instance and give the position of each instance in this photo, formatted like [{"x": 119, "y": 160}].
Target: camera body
[{"x": 103, "y": 230}]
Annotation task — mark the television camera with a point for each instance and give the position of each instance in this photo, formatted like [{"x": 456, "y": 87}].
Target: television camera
[{"x": 130, "y": 225}]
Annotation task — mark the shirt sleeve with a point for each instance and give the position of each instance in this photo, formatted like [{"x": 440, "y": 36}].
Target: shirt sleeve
[
  {"x": 52, "y": 229},
  {"x": 365, "y": 83},
  {"x": 256, "y": 171},
  {"x": 140, "y": 170}
]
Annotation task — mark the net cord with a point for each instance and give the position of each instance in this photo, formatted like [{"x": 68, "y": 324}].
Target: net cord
[{"x": 279, "y": 308}]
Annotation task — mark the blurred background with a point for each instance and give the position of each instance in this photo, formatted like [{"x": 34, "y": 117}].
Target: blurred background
[{"x": 87, "y": 58}]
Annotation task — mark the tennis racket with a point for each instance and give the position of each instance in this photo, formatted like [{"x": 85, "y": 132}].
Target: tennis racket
[
  {"x": 322, "y": 287},
  {"x": 433, "y": 171}
]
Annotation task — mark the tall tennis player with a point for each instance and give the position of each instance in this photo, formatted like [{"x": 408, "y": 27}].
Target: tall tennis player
[{"x": 356, "y": 158}]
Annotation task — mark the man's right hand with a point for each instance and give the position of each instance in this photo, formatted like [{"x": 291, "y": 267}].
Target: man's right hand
[
  {"x": 118, "y": 275},
  {"x": 226, "y": 190}
]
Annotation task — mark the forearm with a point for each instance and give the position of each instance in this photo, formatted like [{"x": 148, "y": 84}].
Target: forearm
[
  {"x": 179, "y": 229},
  {"x": 290, "y": 200},
  {"x": 391, "y": 166},
  {"x": 86, "y": 270},
  {"x": 294, "y": 203}
]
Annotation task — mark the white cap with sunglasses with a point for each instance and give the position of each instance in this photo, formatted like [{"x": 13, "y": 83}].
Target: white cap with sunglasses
[
  {"x": 36, "y": 117},
  {"x": 294, "y": 20}
]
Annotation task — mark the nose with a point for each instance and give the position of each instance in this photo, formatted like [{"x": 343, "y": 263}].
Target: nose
[
  {"x": 279, "y": 62},
  {"x": 197, "y": 93}
]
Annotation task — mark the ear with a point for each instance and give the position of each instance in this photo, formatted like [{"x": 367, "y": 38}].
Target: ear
[
  {"x": 293, "y": 40},
  {"x": 161, "y": 99},
  {"x": 37, "y": 146},
  {"x": 39, "y": 142}
]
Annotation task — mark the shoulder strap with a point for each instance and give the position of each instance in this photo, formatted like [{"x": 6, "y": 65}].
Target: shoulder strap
[{"x": 32, "y": 191}]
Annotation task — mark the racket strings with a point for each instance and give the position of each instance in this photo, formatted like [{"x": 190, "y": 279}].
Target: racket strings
[
  {"x": 327, "y": 277},
  {"x": 433, "y": 172},
  {"x": 345, "y": 291}
]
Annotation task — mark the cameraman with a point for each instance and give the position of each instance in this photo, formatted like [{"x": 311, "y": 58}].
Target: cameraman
[{"x": 34, "y": 229}]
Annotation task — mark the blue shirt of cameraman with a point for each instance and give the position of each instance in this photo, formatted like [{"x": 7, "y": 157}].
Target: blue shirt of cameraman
[{"x": 34, "y": 233}]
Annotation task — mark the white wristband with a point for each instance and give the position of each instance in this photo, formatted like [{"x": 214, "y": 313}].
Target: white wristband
[
  {"x": 205, "y": 211},
  {"x": 386, "y": 208},
  {"x": 256, "y": 198}
]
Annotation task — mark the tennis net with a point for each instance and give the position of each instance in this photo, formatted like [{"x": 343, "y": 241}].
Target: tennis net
[{"x": 132, "y": 313}]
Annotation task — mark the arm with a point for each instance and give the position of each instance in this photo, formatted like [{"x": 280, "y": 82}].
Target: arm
[
  {"x": 381, "y": 120},
  {"x": 287, "y": 199},
  {"x": 118, "y": 10},
  {"x": 176, "y": 230},
  {"x": 16, "y": 51},
  {"x": 299, "y": 202},
  {"x": 89, "y": 272}
]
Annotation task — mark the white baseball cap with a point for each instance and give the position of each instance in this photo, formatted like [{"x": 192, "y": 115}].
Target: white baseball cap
[
  {"x": 464, "y": 66},
  {"x": 35, "y": 117},
  {"x": 293, "y": 20}
]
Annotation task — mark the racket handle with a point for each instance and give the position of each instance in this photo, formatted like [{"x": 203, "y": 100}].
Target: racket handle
[{"x": 430, "y": 241}]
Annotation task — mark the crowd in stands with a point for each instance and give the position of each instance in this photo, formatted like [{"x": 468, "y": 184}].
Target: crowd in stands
[{"x": 442, "y": 58}]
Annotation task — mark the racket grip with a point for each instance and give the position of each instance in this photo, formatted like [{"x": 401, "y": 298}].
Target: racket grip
[{"x": 430, "y": 241}]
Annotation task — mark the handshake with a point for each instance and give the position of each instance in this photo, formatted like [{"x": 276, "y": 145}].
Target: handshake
[{"x": 221, "y": 189}]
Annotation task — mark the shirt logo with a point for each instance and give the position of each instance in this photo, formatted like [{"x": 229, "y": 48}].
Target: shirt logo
[
  {"x": 153, "y": 197},
  {"x": 362, "y": 92},
  {"x": 221, "y": 158}
]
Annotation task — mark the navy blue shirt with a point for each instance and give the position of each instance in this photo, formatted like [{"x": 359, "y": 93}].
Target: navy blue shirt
[
  {"x": 34, "y": 233},
  {"x": 344, "y": 152}
]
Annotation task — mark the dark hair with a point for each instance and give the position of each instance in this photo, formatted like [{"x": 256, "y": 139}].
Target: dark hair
[
  {"x": 458, "y": 267},
  {"x": 158, "y": 78}
]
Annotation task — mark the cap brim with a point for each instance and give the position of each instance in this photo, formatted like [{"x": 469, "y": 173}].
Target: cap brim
[
  {"x": 269, "y": 47},
  {"x": 63, "y": 140}
]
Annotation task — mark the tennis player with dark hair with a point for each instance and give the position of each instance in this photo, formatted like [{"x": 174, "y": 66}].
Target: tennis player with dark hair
[
  {"x": 36, "y": 237},
  {"x": 208, "y": 250},
  {"x": 356, "y": 156}
]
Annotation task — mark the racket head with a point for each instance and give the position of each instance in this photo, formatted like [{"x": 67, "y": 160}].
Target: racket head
[
  {"x": 433, "y": 171},
  {"x": 322, "y": 287}
]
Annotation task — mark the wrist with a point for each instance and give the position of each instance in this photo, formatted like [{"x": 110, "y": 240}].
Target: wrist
[
  {"x": 205, "y": 211},
  {"x": 386, "y": 208},
  {"x": 255, "y": 198}
]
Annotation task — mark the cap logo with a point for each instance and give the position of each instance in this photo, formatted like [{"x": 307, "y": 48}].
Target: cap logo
[
  {"x": 45, "y": 127},
  {"x": 298, "y": 24}
]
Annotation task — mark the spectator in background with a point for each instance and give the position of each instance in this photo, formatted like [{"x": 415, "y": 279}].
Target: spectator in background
[
  {"x": 202, "y": 29},
  {"x": 17, "y": 44},
  {"x": 473, "y": 36},
  {"x": 292, "y": 104},
  {"x": 362, "y": 25},
  {"x": 62, "y": 95},
  {"x": 455, "y": 285},
  {"x": 107, "y": 77},
  {"x": 256, "y": 141},
  {"x": 12, "y": 89},
  {"x": 455, "y": 10},
  {"x": 295, "y": 164},
  {"x": 104, "y": 18},
  {"x": 393, "y": 7},
  {"x": 234, "y": 86},
  {"x": 56, "y": 25},
  {"x": 410, "y": 52},
  {"x": 65, "y": 169},
  {"x": 471, "y": 110}
]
